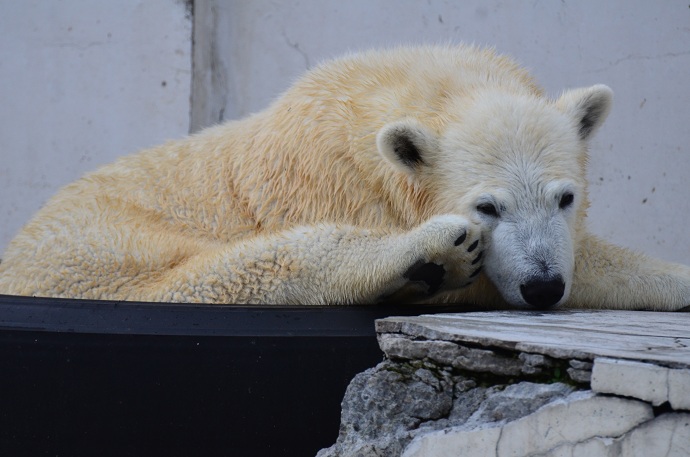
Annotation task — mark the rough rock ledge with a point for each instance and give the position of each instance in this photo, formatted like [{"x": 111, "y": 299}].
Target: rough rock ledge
[{"x": 523, "y": 384}]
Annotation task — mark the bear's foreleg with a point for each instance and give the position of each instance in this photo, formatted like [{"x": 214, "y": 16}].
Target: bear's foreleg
[
  {"x": 608, "y": 276},
  {"x": 329, "y": 264}
]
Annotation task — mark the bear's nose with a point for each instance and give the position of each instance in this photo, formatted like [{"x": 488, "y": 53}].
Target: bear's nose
[{"x": 541, "y": 293}]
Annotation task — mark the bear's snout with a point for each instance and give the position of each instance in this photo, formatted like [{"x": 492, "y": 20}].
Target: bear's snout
[{"x": 543, "y": 293}]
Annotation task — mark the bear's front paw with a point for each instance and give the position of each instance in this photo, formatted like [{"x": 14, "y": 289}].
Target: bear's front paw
[
  {"x": 454, "y": 243},
  {"x": 447, "y": 252}
]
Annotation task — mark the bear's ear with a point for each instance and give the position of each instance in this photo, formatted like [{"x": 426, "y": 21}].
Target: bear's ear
[
  {"x": 406, "y": 144},
  {"x": 589, "y": 106}
]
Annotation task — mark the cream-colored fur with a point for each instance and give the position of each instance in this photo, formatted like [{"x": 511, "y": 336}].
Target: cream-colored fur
[{"x": 389, "y": 175}]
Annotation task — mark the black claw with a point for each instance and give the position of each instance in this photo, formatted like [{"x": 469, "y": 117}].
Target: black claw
[
  {"x": 473, "y": 246},
  {"x": 476, "y": 272},
  {"x": 461, "y": 239},
  {"x": 478, "y": 258}
]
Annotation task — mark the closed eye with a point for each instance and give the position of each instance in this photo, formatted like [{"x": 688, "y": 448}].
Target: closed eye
[{"x": 487, "y": 209}]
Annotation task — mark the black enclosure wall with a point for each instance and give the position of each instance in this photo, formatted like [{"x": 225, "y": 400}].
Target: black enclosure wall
[{"x": 128, "y": 379}]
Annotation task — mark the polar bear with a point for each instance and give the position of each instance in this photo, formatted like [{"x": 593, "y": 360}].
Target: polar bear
[{"x": 415, "y": 174}]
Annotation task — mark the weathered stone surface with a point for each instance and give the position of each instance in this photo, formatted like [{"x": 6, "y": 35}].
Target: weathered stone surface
[
  {"x": 668, "y": 435},
  {"x": 595, "y": 447},
  {"x": 575, "y": 419},
  {"x": 477, "y": 442},
  {"x": 382, "y": 405},
  {"x": 579, "y": 417},
  {"x": 582, "y": 335},
  {"x": 451, "y": 354},
  {"x": 516, "y": 401},
  {"x": 481, "y": 405},
  {"x": 534, "y": 363},
  {"x": 485, "y": 384},
  {"x": 476, "y": 360},
  {"x": 646, "y": 381},
  {"x": 580, "y": 371},
  {"x": 616, "y": 377},
  {"x": 679, "y": 389},
  {"x": 386, "y": 407}
]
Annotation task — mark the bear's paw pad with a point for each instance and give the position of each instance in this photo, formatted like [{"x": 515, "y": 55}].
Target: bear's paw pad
[{"x": 426, "y": 272}]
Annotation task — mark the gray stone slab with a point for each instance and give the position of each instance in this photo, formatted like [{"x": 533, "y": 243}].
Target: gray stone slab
[
  {"x": 660, "y": 338},
  {"x": 668, "y": 435},
  {"x": 495, "y": 384},
  {"x": 646, "y": 381},
  {"x": 679, "y": 389},
  {"x": 575, "y": 419}
]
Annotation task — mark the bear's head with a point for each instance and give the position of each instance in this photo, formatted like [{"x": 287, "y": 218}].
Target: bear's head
[{"x": 515, "y": 163}]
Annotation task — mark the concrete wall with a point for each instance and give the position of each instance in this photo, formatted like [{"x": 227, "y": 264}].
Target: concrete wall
[
  {"x": 640, "y": 167},
  {"x": 84, "y": 82}
]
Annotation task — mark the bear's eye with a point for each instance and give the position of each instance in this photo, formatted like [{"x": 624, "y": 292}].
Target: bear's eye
[
  {"x": 488, "y": 209},
  {"x": 566, "y": 200}
]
